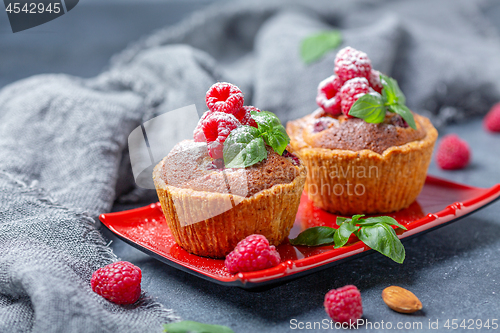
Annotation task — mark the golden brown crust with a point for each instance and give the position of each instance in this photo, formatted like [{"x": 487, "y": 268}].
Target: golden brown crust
[
  {"x": 385, "y": 182},
  {"x": 204, "y": 223}
]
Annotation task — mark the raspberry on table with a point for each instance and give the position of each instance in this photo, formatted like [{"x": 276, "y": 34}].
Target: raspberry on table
[
  {"x": 217, "y": 126},
  {"x": 244, "y": 116},
  {"x": 492, "y": 119},
  {"x": 351, "y": 63},
  {"x": 344, "y": 304},
  {"x": 224, "y": 97},
  {"x": 328, "y": 97},
  {"x": 351, "y": 91},
  {"x": 453, "y": 153},
  {"x": 252, "y": 254},
  {"x": 375, "y": 81},
  {"x": 198, "y": 134},
  {"x": 119, "y": 282}
]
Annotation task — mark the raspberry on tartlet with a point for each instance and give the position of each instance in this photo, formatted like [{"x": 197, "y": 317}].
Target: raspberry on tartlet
[
  {"x": 351, "y": 63},
  {"x": 224, "y": 97}
]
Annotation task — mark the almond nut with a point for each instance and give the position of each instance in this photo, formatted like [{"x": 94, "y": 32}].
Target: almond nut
[{"x": 401, "y": 300}]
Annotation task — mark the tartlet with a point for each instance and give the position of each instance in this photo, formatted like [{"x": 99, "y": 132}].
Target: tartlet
[
  {"x": 209, "y": 208},
  {"x": 356, "y": 167}
]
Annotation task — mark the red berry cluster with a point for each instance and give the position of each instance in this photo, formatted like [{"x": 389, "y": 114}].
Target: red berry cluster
[
  {"x": 225, "y": 112},
  {"x": 353, "y": 78}
]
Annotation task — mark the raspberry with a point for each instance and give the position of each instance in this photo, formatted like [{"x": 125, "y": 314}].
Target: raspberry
[
  {"x": 119, "y": 282},
  {"x": 344, "y": 304},
  {"x": 252, "y": 254},
  {"x": 351, "y": 91},
  {"x": 244, "y": 116},
  {"x": 351, "y": 63},
  {"x": 375, "y": 81},
  {"x": 224, "y": 97},
  {"x": 217, "y": 126},
  {"x": 453, "y": 153},
  {"x": 328, "y": 97},
  {"x": 492, "y": 119},
  {"x": 198, "y": 135},
  {"x": 294, "y": 158},
  {"x": 323, "y": 123}
]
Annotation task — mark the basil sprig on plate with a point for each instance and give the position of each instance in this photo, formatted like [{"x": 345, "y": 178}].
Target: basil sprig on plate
[
  {"x": 372, "y": 108},
  {"x": 188, "y": 326},
  {"x": 375, "y": 232},
  {"x": 246, "y": 145}
]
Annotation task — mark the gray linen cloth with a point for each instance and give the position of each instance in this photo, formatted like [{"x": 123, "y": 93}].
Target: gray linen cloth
[{"x": 63, "y": 139}]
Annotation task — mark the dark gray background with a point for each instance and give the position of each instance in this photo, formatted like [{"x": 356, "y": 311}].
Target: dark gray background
[{"x": 454, "y": 271}]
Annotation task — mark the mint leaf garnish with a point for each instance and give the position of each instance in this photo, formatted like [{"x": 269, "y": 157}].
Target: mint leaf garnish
[
  {"x": 375, "y": 232},
  {"x": 244, "y": 147},
  {"x": 391, "y": 91},
  {"x": 188, "y": 326},
  {"x": 382, "y": 238},
  {"x": 371, "y": 108},
  {"x": 405, "y": 113},
  {"x": 271, "y": 130},
  {"x": 315, "y": 46},
  {"x": 315, "y": 235}
]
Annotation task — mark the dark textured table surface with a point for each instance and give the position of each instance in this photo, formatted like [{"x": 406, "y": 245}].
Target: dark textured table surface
[{"x": 455, "y": 270}]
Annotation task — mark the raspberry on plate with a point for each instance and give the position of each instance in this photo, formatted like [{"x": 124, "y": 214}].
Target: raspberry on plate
[
  {"x": 375, "y": 81},
  {"x": 244, "y": 116},
  {"x": 453, "y": 153},
  {"x": 217, "y": 126},
  {"x": 224, "y": 97},
  {"x": 351, "y": 91},
  {"x": 351, "y": 63},
  {"x": 119, "y": 282},
  {"x": 328, "y": 97},
  {"x": 344, "y": 304},
  {"x": 252, "y": 254},
  {"x": 492, "y": 119}
]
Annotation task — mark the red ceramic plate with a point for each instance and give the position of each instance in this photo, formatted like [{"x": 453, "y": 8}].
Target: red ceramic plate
[{"x": 441, "y": 202}]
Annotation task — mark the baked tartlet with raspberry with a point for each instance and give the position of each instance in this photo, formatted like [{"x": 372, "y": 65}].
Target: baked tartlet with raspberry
[
  {"x": 365, "y": 151},
  {"x": 235, "y": 178}
]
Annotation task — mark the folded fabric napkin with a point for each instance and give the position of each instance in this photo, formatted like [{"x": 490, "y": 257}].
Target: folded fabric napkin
[{"x": 63, "y": 142}]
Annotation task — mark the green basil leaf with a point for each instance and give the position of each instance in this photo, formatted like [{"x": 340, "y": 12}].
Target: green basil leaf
[
  {"x": 314, "y": 236},
  {"x": 404, "y": 112},
  {"x": 391, "y": 91},
  {"x": 315, "y": 46},
  {"x": 341, "y": 220},
  {"x": 188, "y": 326},
  {"x": 356, "y": 218},
  {"x": 271, "y": 130},
  {"x": 381, "y": 219},
  {"x": 343, "y": 233},
  {"x": 244, "y": 147},
  {"x": 371, "y": 108},
  {"x": 382, "y": 238}
]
